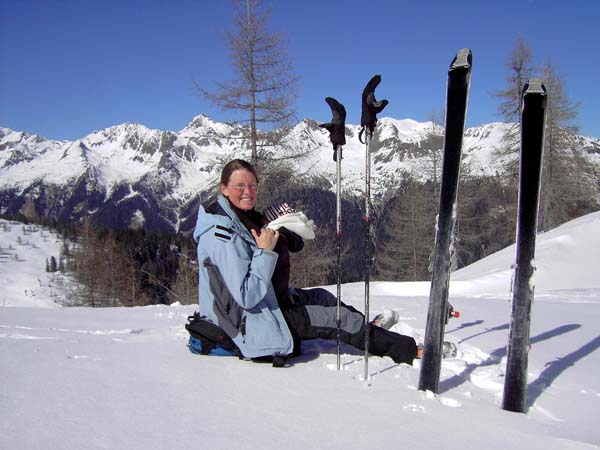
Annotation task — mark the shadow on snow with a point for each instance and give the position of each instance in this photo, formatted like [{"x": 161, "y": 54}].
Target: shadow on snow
[{"x": 546, "y": 377}]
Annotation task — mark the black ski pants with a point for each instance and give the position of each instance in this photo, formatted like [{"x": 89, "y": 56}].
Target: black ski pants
[{"x": 312, "y": 315}]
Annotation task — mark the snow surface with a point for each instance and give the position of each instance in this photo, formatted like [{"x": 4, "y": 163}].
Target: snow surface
[
  {"x": 122, "y": 378},
  {"x": 23, "y": 277}
]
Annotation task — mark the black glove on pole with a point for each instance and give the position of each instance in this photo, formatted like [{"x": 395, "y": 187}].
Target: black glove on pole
[
  {"x": 337, "y": 126},
  {"x": 370, "y": 106}
]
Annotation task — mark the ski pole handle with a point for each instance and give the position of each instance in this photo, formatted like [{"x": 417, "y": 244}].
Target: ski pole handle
[
  {"x": 337, "y": 126},
  {"x": 370, "y": 106}
]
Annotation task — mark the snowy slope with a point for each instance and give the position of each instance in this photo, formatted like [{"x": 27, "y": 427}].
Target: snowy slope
[
  {"x": 80, "y": 378},
  {"x": 568, "y": 249},
  {"x": 24, "y": 250}
]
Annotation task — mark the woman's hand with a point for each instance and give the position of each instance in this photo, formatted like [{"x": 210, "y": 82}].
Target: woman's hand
[{"x": 267, "y": 238}]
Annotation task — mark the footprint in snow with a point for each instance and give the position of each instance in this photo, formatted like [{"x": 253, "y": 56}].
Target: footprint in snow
[{"x": 413, "y": 407}]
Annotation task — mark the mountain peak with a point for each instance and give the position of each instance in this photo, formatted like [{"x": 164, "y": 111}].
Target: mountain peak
[
  {"x": 131, "y": 167},
  {"x": 200, "y": 121}
]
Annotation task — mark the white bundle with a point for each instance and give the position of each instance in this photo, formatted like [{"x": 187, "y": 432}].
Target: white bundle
[{"x": 296, "y": 222}]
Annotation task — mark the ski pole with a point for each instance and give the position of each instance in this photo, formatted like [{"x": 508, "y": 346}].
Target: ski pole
[
  {"x": 338, "y": 234},
  {"x": 337, "y": 136},
  {"x": 367, "y": 247},
  {"x": 368, "y": 121}
]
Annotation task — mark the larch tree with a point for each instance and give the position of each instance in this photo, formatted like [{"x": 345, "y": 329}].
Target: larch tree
[
  {"x": 520, "y": 69},
  {"x": 185, "y": 286},
  {"x": 567, "y": 177},
  {"x": 265, "y": 87}
]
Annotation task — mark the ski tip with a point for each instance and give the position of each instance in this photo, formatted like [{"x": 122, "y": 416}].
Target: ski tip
[
  {"x": 456, "y": 314},
  {"x": 462, "y": 60},
  {"x": 534, "y": 86}
]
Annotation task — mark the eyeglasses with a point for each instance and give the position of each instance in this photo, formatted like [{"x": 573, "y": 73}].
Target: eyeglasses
[{"x": 241, "y": 187}]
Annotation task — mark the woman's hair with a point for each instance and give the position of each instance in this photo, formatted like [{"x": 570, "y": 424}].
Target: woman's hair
[{"x": 232, "y": 166}]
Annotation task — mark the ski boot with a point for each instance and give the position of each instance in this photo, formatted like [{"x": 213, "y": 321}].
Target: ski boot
[{"x": 387, "y": 319}]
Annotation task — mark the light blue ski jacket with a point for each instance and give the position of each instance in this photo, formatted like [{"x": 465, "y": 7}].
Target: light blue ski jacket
[{"x": 235, "y": 288}]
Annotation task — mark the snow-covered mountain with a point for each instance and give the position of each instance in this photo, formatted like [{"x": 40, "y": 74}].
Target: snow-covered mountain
[{"x": 132, "y": 176}]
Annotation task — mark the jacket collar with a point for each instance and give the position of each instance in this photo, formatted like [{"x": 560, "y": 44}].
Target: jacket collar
[{"x": 222, "y": 215}]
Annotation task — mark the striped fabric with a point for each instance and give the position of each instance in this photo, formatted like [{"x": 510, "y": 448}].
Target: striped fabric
[{"x": 277, "y": 210}]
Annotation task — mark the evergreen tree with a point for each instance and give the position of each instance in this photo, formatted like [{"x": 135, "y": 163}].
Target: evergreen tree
[
  {"x": 408, "y": 234},
  {"x": 483, "y": 225},
  {"x": 53, "y": 265}
]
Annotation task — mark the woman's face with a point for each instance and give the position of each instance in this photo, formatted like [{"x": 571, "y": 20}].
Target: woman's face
[{"x": 241, "y": 189}]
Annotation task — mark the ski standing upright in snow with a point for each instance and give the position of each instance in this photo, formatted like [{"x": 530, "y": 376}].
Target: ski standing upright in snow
[
  {"x": 368, "y": 122},
  {"x": 533, "y": 119},
  {"x": 337, "y": 136},
  {"x": 459, "y": 78}
]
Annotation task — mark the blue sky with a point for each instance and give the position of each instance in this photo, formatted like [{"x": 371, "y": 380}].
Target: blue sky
[{"x": 69, "y": 67}]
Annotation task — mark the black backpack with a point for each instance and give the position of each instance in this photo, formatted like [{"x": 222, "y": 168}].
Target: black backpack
[{"x": 206, "y": 338}]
